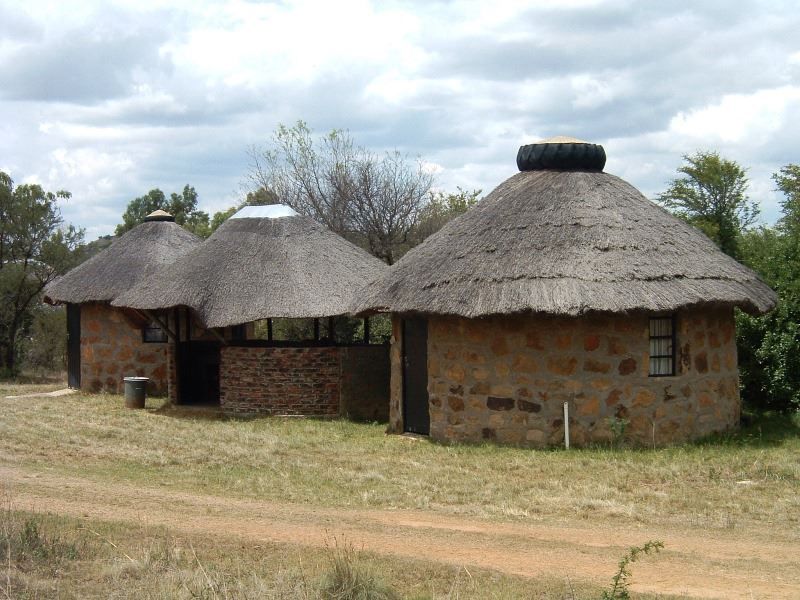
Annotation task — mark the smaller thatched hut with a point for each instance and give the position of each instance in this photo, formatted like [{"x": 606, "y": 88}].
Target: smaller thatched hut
[
  {"x": 106, "y": 344},
  {"x": 269, "y": 262},
  {"x": 565, "y": 285}
]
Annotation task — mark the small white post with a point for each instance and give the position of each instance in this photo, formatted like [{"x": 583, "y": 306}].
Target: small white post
[{"x": 566, "y": 425}]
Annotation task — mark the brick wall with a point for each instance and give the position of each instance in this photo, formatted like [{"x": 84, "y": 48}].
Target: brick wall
[
  {"x": 351, "y": 381},
  {"x": 280, "y": 381},
  {"x": 112, "y": 349},
  {"x": 506, "y": 378}
]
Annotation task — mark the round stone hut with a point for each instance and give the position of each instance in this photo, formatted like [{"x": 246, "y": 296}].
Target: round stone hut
[
  {"x": 565, "y": 285},
  {"x": 106, "y": 344},
  {"x": 265, "y": 263}
]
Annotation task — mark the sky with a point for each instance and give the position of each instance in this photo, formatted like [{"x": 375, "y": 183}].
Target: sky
[{"x": 109, "y": 99}]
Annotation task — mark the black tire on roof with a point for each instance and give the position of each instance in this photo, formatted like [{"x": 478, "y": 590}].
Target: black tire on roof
[{"x": 561, "y": 156}]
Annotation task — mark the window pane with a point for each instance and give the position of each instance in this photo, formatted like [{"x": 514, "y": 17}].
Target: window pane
[
  {"x": 661, "y": 347},
  {"x": 661, "y": 366}
]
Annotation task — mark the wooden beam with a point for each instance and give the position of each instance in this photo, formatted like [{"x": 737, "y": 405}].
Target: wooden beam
[{"x": 154, "y": 317}]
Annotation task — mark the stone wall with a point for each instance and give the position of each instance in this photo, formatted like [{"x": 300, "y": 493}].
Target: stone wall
[
  {"x": 112, "y": 349},
  {"x": 507, "y": 378},
  {"x": 312, "y": 381}
]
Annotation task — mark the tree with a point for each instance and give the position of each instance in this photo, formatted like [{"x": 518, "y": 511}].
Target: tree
[
  {"x": 441, "y": 208},
  {"x": 368, "y": 198},
  {"x": 712, "y": 197},
  {"x": 182, "y": 206},
  {"x": 769, "y": 346},
  {"x": 788, "y": 181},
  {"x": 35, "y": 248}
]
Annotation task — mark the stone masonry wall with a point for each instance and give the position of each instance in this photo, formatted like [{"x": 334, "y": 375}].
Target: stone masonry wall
[
  {"x": 506, "y": 378},
  {"x": 280, "y": 380},
  {"x": 112, "y": 349}
]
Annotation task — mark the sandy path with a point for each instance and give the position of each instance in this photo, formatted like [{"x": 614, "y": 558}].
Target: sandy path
[{"x": 700, "y": 563}]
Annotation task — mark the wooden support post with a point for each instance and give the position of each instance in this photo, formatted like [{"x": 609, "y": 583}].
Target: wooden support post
[
  {"x": 316, "y": 330},
  {"x": 154, "y": 317},
  {"x": 269, "y": 330},
  {"x": 331, "y": 330},
  {"x": 366, "y": 330}
]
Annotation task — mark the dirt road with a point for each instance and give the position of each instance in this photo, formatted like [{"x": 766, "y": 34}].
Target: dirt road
[{"x": 702, "y": 563}]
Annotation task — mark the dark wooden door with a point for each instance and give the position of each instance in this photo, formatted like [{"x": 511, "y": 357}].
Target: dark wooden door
[
  {"x": 198, "y": 373},
  {"x": 416, "y": 418},
  {"x": 74, "y": 346}
]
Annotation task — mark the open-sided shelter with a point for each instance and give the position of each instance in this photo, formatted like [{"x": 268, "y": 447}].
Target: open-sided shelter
[
  {"x": 269, "y": 262},
  {"x": 565, "y": 284},
  {"x": 106, "y": 344}
]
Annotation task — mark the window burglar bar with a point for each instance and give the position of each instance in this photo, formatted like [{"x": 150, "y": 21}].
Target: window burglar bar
[{"x": 662, "y": 346}]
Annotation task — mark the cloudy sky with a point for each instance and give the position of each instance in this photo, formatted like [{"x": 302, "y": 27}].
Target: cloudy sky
[{"x": 109, "y": 99}]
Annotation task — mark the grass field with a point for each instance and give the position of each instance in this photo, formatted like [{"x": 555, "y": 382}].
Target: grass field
[{"x": 740, "y": 485}]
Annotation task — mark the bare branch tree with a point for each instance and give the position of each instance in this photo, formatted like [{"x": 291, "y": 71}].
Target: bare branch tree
[{"x": 368, "y": 198}]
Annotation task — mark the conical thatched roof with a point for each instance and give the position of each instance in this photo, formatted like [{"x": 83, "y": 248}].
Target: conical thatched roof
[
  {"x": 136, "y": 255},
  {"x": 264, "y": 262},
  {"x": 565, "y": 242}
]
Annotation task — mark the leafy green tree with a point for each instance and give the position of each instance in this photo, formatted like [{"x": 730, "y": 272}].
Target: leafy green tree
[
  {"x": 769, "y": 346},
  {"x": 46, "y": 343},
  {"x": 711, "y": 196},
  {"x": 788, "y": 181},
  {"x": 35, "y": 247},
  {"x": 182, "y": 206},
  {"x": 441, "y": 208}
]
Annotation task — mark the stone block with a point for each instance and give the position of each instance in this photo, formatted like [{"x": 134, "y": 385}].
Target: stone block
[
  {"x": 562, "y": 365},
  {"x": 455, "y": 403},
  {"x": 588, "y": 406},
  {"x": 499, "y": 403},
  {"x": 524, "y": 363},
  {"x": 627, "y": 366},
  {"x": 499, "y": 346},
  {"x": 591, "y": 343},
  {"x": 595, "y": 366},
  {"x": 535, "y": 436},
  {"x": 530, "y": 407},
  {"x": 455, "y": 372},
  {"x": 533, "y": 339},
  {"x": 616, "y": 346},
  {"x": 644, "y": 397},
  {"x": 701, "y": 362}
]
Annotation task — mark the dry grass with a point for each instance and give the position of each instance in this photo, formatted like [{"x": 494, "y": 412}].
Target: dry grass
[
  {"x": 745, "y": 481},
  {"x": 72, "y": 558}
]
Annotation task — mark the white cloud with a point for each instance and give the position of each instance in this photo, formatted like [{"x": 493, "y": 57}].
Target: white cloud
[
  {"x": 737, "y": 118},
  {"x": 164, "y": 94}
]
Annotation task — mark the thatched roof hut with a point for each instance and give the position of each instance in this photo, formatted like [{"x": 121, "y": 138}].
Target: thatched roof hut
[
  {"x": 264, "y": 262},
  {"x": 136, "y": 255},
  {"x": 565, "y": 238}
]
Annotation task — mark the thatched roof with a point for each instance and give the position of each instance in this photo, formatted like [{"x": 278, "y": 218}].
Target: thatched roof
[
  {"x": 264, "y": 262},
  {"x": 568, "y": 243},
  {"x": 136, "y": 255}
]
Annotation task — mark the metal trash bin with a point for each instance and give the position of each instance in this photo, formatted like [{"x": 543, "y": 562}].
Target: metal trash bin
[{"x": 135, "y": 391}]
